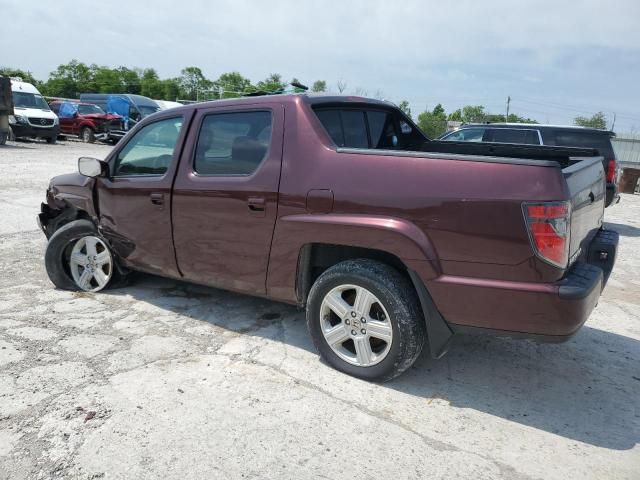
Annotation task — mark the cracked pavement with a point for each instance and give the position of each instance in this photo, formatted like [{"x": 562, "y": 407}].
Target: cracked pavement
[{"x": 162, "y": 379}]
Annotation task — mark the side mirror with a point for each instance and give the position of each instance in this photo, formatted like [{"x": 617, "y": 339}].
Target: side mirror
[
  {"x": 92, "y": 167},
  {"x": 75, "y": 114}
]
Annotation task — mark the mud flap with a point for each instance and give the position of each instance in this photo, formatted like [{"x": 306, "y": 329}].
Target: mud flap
[{"x": 439, "y": 334}]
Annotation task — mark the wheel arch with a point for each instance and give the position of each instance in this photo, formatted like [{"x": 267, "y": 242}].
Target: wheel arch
[
  {"x": 66, "y": 210},
  {"x": 315, "y": 258}
]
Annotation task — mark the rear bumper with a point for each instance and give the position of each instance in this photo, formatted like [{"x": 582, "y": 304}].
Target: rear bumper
[
  {"x": 547, "y": 312},
  {"x": 613, "y": 196}
]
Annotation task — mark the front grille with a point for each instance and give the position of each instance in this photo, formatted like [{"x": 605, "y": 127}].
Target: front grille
[{"x": 41, "y": 122}]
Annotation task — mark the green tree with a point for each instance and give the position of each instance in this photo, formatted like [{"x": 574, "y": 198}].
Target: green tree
[
  {"x": 130, "y": 79},
  {"x": 473, "y": 114},
  {"x": 513, "y": 118},
  {"x": 597, "y": 120},
  {"x": 404, "y": 106},
  {"x": 69, "y": 80},
  {"x": 272, "y": 84},
  {"x": 150, "y": 84},
  {"x": 455, "y": 116},
  {"x": 16, "y": 72},
  {"x": 232, "y": 84},
  {"x": 433, "y": 123},
  {"x": 192, "y": 81},
  {"x": 105, "y": 80},
  {"x": 170, "y": 89},
  {"x": 319, "y": 86}
]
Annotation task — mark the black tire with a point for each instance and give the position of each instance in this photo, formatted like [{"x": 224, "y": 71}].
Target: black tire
[
  {"x": 398, "y": 297},
  {"x": 58, "y": 250},
  {"x": 51, "y": 140},
  {"x": 87, "y": 135}
]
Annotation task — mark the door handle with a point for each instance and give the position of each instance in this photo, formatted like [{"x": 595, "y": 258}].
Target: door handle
[
  {"x": 256, "y": 205},
  {"x": 157, "y": 198},
  {"x": 592, "y": 197}
]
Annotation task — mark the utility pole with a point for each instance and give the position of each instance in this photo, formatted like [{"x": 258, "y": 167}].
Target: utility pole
[
  {"x": 614, "y": 121},
  {"x": 506, "y": 118}
]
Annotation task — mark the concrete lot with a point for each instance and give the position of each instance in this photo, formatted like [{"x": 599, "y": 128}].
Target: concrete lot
[{"x": 169, "y": 380}]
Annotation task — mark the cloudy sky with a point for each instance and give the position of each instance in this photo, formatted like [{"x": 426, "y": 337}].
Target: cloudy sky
[{"x": 556, "y": 59}]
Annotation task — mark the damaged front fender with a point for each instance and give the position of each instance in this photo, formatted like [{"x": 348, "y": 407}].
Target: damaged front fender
[{"x": 68, "y": 197}]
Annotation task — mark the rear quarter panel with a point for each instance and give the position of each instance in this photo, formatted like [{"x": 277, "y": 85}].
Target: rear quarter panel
[{"x": 468, "y": 214}]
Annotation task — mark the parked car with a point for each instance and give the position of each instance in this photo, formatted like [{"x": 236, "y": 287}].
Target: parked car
[
  {"x": 132, "y": 108},
  {"x": 33, "y": 117},
  {"x": 88, "y": 121},
  {"x": 535, "y": 134},
  {"x": 340, "y": 205}
]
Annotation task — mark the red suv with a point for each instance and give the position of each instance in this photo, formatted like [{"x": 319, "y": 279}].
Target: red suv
[{"x": 88, "y": 121}]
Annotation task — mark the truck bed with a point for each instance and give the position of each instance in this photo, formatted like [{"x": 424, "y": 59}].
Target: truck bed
[{"x": 562, "y": 155}]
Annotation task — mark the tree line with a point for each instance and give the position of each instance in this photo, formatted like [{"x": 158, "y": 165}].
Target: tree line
[{"x": 71, "y": 79}]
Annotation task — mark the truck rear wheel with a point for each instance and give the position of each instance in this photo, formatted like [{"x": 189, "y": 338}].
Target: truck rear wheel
[
  {"x": 77, "y": 258},
  {"x": 365, "y": 320},
  {"x": 87, "y": 135}
]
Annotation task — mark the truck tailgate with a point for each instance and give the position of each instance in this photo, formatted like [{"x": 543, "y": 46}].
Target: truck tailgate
[{"x": 586, "y": 182}]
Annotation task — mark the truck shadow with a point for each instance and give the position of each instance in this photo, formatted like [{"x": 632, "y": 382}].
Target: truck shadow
[
  {"x": 586, "y": 390},
  {"x": 623, "y": 229}
]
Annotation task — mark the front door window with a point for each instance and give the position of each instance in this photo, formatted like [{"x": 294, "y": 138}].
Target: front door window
[{"x": 150, "y": 151}]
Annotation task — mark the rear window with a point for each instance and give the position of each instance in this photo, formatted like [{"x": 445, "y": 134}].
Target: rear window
[
  {"x": 354, "y": 128},
  {"x": 600, "y": 141},
  {"x": 363, "y": 128},
  {"x": 465, "y": 135}
]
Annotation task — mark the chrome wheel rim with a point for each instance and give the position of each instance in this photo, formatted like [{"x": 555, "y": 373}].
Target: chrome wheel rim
[
  {"x": 91, "y": 264},
  {"x": 86, "y": 135},
  {"x": 356, "y": 325}
]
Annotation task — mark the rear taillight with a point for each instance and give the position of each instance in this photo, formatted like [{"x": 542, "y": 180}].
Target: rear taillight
[
  {"x": 549, "y": 224},
  {"x": 611, "y": 170}
]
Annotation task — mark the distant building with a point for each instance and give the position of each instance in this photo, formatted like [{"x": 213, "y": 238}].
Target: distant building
[{"x": 627, "y": 148}]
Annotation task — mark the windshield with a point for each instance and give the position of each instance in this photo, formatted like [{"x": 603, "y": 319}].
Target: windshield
[
  {"x": 88, "y": 109},
  {"x": 145, "y": 110},
  {"x": 29, "y": 100}
]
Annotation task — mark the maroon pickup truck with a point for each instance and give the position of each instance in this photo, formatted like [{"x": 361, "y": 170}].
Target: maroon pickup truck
[{"x": 343, "y": 206}]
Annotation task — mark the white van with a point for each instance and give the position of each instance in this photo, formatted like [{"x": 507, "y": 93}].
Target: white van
[{"x": 32, "y": 115}]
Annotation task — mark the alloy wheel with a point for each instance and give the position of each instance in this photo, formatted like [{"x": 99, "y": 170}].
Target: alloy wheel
[
  {"x": 91, "y": 264},
  {"x": 356, "y": 325}
]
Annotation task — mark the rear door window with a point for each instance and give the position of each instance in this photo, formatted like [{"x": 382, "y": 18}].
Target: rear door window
[
  {"x": 233, "y": 143},
  {"x": 466, "y": 135},
  {"x": 513, "y": 135}
]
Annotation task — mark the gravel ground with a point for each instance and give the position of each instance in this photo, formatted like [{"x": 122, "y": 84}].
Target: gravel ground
[{"x": 170, "y": 380}]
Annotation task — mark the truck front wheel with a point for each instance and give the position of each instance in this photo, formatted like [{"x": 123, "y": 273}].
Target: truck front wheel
[
  {"x": 87, "y": 135},
  {"x": 365, "y": 319},
  {"x": 77, "y": 258}
]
